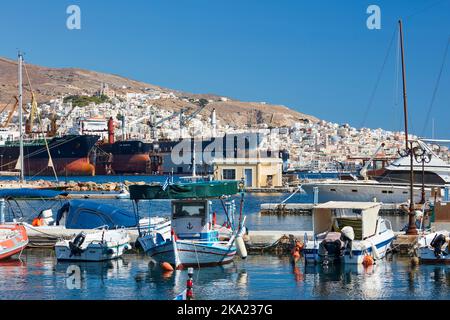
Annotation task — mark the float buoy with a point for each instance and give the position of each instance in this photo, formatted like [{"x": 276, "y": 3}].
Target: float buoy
[
  {"x": 166, "y": 266},
  {"x": 240, "y": 247},
  {"x": 367, "y": 260}
]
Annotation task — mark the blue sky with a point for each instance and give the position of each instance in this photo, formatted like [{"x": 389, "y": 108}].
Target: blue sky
[{"x": 317, "y": 57}]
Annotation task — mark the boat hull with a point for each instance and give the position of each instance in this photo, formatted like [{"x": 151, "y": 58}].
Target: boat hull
[
  {"x": 191, "y": 254},
  {"x": 362, "y": 192},
  {"x": 14, "y": 243},
  {"x": 106, "y": 245},
  {"x": 70, "y": 156},
  {"x": 359, "y": 249}
]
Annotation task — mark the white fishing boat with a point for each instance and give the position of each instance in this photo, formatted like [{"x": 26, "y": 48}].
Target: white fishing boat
[
  {"x": 347, "y": 232},
  {"x": 196, "y": 238},
  {"x": 98, "y": 246}
]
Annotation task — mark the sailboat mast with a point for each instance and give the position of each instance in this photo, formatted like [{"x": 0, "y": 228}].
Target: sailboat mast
[
  {"x": 405, "y": 103},
  {"x": 22, "y": 178}
]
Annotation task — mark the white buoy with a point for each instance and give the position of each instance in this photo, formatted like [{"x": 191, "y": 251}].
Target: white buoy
[
  {"x": 240, "y": 247},
  {"x": 375, "y": 254}
]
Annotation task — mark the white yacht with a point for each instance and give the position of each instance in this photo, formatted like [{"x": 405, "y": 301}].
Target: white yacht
[{"x": 391, "y": 186}]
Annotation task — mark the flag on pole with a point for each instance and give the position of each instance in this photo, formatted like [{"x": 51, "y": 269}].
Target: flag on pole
[{"x": 166, "y": 184}]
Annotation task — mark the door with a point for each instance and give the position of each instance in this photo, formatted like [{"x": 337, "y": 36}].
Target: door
[{"x": 248, "y": 177}]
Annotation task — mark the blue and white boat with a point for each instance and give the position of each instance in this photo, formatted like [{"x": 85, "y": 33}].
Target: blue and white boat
[
  {"x": 196, "y": 238},
  {"x": 347, "y": 232}
]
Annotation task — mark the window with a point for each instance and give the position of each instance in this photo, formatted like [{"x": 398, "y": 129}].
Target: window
[
  {"x": 229, "y": 174},
  {"x": 189, "y": 209}
]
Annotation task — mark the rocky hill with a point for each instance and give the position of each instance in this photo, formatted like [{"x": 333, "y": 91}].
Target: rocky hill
[{"x": 51, "y": 83}]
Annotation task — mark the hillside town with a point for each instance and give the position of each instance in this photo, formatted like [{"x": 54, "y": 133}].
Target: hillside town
[{"x": 312, "y": 146}]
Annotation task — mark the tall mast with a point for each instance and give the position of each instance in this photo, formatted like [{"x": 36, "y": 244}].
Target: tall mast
[
  {"x": 405, "y": 104},
  {"x": 22, "y": 178},
  {"x": 412, "y": 230}
]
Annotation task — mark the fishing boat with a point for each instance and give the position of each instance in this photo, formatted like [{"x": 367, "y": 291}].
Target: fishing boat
[
  {"x": 347, "y": 232},
  {"x": 13, "y": 239},
  {"x": 195, "y": 239},
  {"x": 98, "y": 246}
]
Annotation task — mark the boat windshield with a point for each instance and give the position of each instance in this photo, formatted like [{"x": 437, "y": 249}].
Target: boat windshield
[{"x": 189, "y": 209}]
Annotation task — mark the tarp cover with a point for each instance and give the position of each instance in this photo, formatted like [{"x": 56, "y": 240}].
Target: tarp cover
[
  {"x": 193, "y": 190},
  {"x": 86, "y": 214},
  {"x": 29, "y": 193}
]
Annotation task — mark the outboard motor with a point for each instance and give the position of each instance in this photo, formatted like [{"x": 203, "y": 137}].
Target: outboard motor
[
  {"x": 347, "y": 236},
  {"x": 331, "y": 247},
  {"x": 75, "y": 245},
  {"x": 437, "y": 243}
]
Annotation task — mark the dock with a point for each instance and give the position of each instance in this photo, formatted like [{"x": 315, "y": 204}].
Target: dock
[{"x": 306, "y": 208}]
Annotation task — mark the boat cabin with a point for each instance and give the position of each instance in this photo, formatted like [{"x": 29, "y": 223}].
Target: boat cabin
[
  {"x": 332, "y": 216},
  {"x": 191, "y": 219}
]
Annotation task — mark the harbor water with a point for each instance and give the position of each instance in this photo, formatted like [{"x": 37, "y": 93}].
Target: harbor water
[{"x": 37, "y": 274}]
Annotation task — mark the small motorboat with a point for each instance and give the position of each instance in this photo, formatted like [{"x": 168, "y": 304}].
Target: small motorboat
[
  {"x": 13, "y": 239},
  {"x": 97, "y": 246},
  {"x": 433, "y": 247},
  {"x": 347, "y": 232}
]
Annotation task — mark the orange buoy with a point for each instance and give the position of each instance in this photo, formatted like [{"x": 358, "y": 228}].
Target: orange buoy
[
  {"x": 295, "y": 254},
  {"x": 37, "y": 222},
  {"x": 166, "y": 266},
  {"x": 299, "y": 245},
  {"x": 367, "y": 260},
  {"x": 167, "y": 274}
]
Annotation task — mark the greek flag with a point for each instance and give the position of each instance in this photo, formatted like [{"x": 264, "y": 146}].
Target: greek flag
[{"x": 166, "y": 184}]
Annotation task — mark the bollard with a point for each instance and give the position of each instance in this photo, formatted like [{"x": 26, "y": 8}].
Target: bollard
[
  {"x": 2, "y": 211},
  {"x": 189, "y": 284},
  {"x": 316, "y": 195}
]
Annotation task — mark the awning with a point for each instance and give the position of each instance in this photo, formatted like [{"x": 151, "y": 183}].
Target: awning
[{"x": 194, "y": 190}]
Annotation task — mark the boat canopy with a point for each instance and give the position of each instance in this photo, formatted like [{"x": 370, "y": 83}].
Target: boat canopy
[
  {"x": 30, "y": 193},
  {"x": 334, "y": 215},
  {"x": 82, "y": 214},
  {"x": 192, "y": 190}
]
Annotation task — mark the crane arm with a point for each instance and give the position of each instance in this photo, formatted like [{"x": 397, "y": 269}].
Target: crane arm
[
  {"x": 11, "y": 113},
  {"x": 363, "y": 171}
]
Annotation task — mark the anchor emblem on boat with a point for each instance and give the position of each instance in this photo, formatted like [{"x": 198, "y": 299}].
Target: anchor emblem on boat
[{"x": 190, "y": 226}]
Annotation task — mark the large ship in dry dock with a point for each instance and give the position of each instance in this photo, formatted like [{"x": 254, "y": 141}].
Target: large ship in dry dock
[{"x": 70, "y": 155}]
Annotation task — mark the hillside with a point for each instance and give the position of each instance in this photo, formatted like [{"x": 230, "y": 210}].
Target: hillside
[{"x": 50, "y": 83}]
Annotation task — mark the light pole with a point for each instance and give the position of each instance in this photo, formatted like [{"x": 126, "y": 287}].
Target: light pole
[
  {"x": 423, "y": 156},
  {"x": 412, "y": 230}
]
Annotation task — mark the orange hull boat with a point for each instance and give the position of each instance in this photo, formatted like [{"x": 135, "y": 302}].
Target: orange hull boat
[{"x": 13, "y": 239}]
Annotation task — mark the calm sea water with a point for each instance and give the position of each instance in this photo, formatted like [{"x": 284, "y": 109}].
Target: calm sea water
[{"x": 38, "y": 276}]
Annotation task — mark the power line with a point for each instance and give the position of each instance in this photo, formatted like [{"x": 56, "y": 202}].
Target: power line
[
  {"x": 427, "y": 119},
  {"x": 372, "y": 96}
]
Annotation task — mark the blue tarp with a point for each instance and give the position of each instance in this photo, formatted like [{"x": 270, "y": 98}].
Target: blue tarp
[
  {"x": 29, "y": 193},
  {"x": 82, "y": 214}
]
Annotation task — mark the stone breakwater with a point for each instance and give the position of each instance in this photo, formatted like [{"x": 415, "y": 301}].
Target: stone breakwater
[{"x": 70, "y": 185}]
